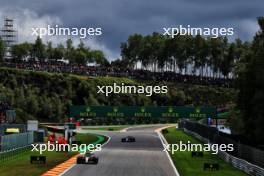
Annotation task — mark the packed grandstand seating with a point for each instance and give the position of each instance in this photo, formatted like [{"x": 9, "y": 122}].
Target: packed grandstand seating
[{"x": 60, "y": 67}]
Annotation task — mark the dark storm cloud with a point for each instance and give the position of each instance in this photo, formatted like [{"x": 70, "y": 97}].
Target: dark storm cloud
[{"x": 121, "y": 18}]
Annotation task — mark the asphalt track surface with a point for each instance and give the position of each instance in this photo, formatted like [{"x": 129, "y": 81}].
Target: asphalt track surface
[{"x": 145, "y": 157}]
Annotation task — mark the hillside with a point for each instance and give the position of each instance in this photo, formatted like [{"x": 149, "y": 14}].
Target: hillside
[{"x": 47, "y": 96}]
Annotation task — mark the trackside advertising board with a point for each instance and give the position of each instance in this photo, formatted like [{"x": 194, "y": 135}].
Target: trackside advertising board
[{"x": 142, "y": 111}]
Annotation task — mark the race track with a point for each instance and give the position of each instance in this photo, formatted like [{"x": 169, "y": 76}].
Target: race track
[{"x": 145, "y": 157}]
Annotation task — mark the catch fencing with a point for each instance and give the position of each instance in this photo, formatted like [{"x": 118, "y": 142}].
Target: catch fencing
[
  {"x": 13, "y": 154},
  {"x": 246, "y": 158},
  {"x": 13, "y": 141}
]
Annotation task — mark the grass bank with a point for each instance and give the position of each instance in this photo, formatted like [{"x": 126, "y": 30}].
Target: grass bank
[
  {"x": 48, "y": 96},
  {"x": 20, "y": 165},
  {"x": 193, "y": 166}
]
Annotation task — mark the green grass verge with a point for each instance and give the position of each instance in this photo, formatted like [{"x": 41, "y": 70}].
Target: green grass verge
[
  {"x": 86, "y": 138},
  {"x": 110, "y": 128},
  {"x": 193, "y": 166},
  {"x": 20, "y": 166}
]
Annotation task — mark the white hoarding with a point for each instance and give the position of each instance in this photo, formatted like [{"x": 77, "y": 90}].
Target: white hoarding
[{"x": 32, "y": 125}]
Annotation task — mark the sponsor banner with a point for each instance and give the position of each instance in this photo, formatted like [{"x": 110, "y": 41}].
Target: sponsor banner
[{"x": 142, "y": 111}]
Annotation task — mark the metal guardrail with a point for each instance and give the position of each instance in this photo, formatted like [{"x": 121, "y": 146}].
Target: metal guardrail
[{"x": 241, "y": 164}]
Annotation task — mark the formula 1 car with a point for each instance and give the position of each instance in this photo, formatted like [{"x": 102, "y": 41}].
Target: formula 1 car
[
  {"x": 128, "y": 139},
  {"x": 87, "y": 158}
]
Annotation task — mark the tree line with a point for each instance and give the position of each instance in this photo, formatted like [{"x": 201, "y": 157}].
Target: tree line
[
  {"x": 40, "y": 51},
  {"x": 185, "y": 54}
]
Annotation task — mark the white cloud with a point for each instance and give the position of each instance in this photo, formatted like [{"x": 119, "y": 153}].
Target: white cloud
[
  {"x": 247, "y": 28},
  {"x": 25, "y": 20}
]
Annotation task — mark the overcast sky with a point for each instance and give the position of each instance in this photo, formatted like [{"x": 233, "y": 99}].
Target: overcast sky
[{"x": 119, "y": 19}]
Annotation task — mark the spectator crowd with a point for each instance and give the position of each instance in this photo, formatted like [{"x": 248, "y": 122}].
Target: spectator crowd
[{"x": 60, "y": 67}]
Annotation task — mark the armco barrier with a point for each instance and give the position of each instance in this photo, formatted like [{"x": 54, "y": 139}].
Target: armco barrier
[{"x": 241, "y": 164}]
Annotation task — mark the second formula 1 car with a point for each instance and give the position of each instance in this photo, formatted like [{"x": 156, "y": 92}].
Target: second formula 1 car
[
  {"x": 128, "y": 139},
  {"x": 87, "y": 158}
]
